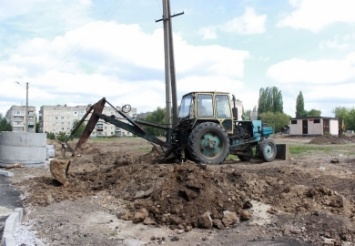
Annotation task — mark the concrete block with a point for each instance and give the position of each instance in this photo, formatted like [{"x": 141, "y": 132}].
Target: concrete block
[
  {"x": 10, "y": 223},
  {"x": 22, "y": 147}
]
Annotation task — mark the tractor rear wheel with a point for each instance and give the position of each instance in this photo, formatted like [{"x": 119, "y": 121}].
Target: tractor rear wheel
[
  {"x": 267, "y": 150},
  {"x": 208, "y": 143}
]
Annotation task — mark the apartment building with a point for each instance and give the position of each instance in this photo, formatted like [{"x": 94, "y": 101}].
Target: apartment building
[
  {"x": 61, "y": 118},
  {"x": 16, "y": 116}
]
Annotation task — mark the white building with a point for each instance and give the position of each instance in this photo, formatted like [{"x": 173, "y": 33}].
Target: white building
[
  {"x": 314, "y": 126},
  {"x": 61, "y": 118},
  {"x": 16, "y": 117}
]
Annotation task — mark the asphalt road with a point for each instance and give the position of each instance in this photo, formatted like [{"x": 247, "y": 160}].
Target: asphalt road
[{"x": 9, "y": 200}]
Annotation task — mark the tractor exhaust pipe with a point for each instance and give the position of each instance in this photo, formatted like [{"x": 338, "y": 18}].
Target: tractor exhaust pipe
[{"x": 234, "y": 109}]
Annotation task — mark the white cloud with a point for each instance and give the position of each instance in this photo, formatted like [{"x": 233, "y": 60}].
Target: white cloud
[
  {"x": 325, "y": 71},
  {"x": 42, "y": 17},
  {"x": 338, "y": 42},
  {"x": 116, "y": 61},
  {"x": 16, "y": 7},
  {"x": 314, "y": 15},
  {"x": 248, "y": 23},
  {"x": 208, "y": 33}
]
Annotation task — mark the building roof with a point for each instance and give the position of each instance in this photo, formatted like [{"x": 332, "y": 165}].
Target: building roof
[{"x": 311, "y": 117}]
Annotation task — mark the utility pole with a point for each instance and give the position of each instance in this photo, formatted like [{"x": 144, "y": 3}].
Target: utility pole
[
  {"x": 26, "y": 111},
  {"x": 170, "y": 78},
  {"x": 26, "y": 107}
]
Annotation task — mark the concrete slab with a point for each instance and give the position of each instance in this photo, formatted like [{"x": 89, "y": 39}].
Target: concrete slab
[
  {"x": 4, "y": 212},
  {"x": 6, "y": 173},
  {"x": 8, "y": 235}
]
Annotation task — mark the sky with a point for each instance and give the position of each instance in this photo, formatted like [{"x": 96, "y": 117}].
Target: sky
[{"x": 75, "y": 52}]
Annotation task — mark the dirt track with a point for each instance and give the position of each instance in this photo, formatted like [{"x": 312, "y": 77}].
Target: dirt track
[{"x": 125, "y": 198}]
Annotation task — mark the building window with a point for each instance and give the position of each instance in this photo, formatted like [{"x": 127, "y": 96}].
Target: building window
[
  {"x": 316, "y": 121},
  {"x": 294, "y": 122}
]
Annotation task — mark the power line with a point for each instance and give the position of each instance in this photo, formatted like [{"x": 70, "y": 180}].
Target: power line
[{"x": 110, "y": 11}]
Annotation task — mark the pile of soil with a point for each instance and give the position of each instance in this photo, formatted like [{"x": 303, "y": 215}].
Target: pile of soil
[
  {"x": 330, "y": 139},
  {"x": 190, "y": 195},
  {"x": 187, "y": 196}
]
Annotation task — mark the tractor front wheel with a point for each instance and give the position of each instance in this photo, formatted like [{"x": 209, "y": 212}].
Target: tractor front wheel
[
  {"x": 267, "y": 150},
  {"x": 208, "y": 143}
]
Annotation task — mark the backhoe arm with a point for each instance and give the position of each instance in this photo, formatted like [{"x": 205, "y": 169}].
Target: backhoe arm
[{"x": 96, "y": 114}]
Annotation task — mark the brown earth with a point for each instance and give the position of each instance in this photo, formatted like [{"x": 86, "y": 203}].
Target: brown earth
[{"x": 118, "y": 195}]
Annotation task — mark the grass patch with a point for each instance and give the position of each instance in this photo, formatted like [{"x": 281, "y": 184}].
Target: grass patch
[
  {"x": 232, "y": 158},
  {"x": 111, "y": 139},
  {"x": 325, "y": 149}
]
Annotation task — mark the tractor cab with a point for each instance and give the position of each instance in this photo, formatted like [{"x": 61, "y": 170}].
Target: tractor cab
[
  {"x": 205, "y": 105},
  {"x": 198, "y": 107}
]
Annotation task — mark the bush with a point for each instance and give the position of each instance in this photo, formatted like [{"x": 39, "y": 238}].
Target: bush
[
  {"x": 62, "y": 137},
  {"x": 50, "y": 135}
]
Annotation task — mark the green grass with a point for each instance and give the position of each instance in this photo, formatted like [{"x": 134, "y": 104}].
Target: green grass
[
  {"x": 232, "y": 158},
  {"x": 114, "y": 139},
  {"x": 308, "y": 149},
  {"x": 322, "y": 149}
]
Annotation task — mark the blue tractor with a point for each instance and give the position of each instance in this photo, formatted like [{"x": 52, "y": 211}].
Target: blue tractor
[{"x": 206, "y": 130}]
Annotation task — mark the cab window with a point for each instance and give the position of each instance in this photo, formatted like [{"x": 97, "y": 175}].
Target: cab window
[
  {"x": 204, "y": 105},
  {"x": 223, "y": 106}
]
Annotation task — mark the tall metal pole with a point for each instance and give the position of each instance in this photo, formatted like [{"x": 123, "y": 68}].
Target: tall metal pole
[
  {"x": 26, "y": 111},
  {"x": 166, "y": 19},
  {"x": 172, "y": 68},
  {"x": 170, "y": 80}
]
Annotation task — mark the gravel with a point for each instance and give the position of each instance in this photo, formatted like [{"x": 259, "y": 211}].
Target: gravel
[{"x": 25, "y": 236}]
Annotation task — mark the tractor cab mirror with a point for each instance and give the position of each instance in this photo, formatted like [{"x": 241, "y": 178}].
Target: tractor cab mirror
[{"x": 126, "y": 108}]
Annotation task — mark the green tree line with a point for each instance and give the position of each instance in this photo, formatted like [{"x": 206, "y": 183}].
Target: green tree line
[
  {"x": 346, "y": 118},
  {"x": 300, "y": 110},
  {"x": 270, "y": 108},
  {"x": 4, "y": 124}
]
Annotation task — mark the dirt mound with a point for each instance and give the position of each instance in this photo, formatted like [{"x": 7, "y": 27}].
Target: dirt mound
[
  {"x": 308, "y": 198},
  {"x": 329, "y": 139},
  {"x": 188, "y": 195}
]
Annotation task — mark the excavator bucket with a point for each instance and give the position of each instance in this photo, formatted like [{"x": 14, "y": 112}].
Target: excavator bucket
[{"x": 59, "y": 167}]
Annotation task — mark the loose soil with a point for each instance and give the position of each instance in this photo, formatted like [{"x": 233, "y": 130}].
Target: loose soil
[{"x": 118, "y": 194}]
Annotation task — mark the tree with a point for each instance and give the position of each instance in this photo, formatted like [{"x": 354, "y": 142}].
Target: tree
[
  {"x": 37, "y": 126},
  {"x": 80, "y": 130},
  {"x": 50, "y": 135},
  {"x": 277, "y": 100},
  {"x": 158, "y": 117},
  {"x": 62, "y": 136},
  {"x": 313, "y": 113},
  {"x": 4, "y": 124},
  {"x": 270, "y": 100},
  {"x": 246, "y": 114},
  {"x": 276, "y": 120},
  {"x": 300, "y": 112},
  {"x": 350, "y": 119},
  {"x": 341, "y": 113}
]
